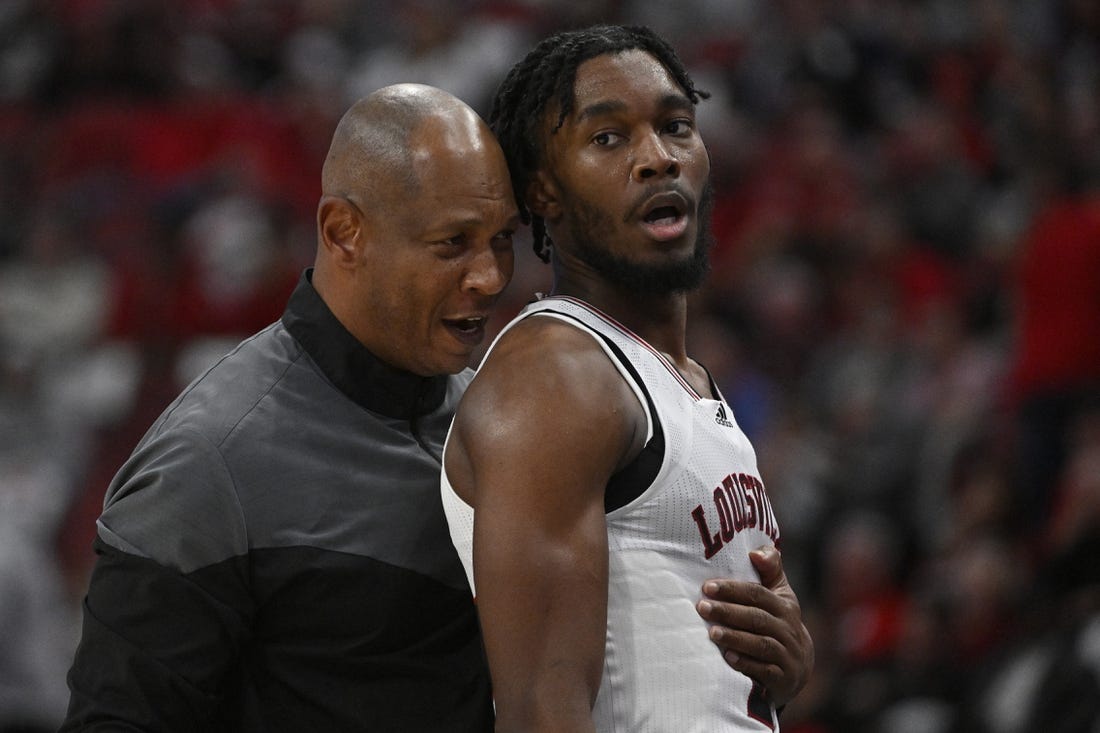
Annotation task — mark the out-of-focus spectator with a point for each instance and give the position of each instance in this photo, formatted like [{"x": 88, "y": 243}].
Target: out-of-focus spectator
[
  {"x": 52, "y": 312},
  {"x": 1048, "y": 679},
  {"x": 1056, "y": 362},
  {"x": 444, "y": 43},
  {"x": 865, "y": 602},
  {"x": 35, "y": 611}
]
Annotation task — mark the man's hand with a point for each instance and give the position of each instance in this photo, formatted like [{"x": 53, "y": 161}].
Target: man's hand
[{"x": 759, "y": 627}]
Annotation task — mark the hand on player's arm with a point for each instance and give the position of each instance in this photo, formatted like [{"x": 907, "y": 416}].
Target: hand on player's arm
[
  {"x": 534, "y": 442},
  {"x": 759, "y": 627}
]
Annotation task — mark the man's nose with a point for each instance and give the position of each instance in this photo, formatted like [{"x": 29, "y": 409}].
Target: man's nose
[
  {"x": 653, "y": 158},
  {"x": 489, "y": 272}
]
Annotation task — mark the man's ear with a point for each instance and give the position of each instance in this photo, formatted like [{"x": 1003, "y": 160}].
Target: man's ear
[
  {"x": 542, "y": 196},
  {"x": 341, "y": 228}
]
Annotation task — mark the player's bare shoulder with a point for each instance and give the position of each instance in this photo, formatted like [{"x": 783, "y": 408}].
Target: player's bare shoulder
[
  {"x": 546, "y": 362},
  {"x": 548, "y": 346},
  {"x": 548, "y": 373}
]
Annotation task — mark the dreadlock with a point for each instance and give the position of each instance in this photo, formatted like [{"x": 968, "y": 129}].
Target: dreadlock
[{"x": 547, "y": 75}]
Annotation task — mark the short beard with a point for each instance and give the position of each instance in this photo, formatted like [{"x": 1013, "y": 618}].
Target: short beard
[{"x": 590, "y": 225}]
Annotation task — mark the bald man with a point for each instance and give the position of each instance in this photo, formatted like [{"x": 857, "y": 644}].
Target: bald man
[{"x": 273, "y": 555}]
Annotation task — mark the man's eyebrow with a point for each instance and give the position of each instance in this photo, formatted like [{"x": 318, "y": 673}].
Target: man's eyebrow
[
  {"x": 599, "y": 109},
  {"x": 462, "y": 222},
  {"x": 675, "y": 102},
  {"x": 668, "y": 103}
]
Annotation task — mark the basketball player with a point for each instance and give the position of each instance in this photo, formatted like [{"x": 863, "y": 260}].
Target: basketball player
[{"x": 594, "y": 477}]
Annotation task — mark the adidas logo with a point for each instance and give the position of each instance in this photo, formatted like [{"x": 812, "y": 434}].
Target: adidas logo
[{"x": 721, "y": 417}]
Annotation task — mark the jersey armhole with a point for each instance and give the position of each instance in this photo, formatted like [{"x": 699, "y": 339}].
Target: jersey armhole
[{"x": 633, "y": 479}]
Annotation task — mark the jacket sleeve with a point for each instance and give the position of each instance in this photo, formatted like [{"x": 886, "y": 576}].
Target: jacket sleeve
[{"x": 168, "y": 607}]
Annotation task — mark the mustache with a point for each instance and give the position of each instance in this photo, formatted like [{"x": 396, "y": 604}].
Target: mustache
[{"x": 640, "y": 200}]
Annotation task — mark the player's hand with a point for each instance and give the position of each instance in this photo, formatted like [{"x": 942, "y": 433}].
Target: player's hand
[{"x": 758, "y": 627}]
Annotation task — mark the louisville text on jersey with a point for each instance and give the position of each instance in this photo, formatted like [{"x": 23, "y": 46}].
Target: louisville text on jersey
[{"x": 740, "y": 502}]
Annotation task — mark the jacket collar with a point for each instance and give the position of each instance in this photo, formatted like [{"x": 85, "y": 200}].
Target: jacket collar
[{"x": 348, "y": 364}]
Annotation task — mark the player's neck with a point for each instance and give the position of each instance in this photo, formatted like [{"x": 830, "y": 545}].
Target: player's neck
[{"x": 659, "y": 319}]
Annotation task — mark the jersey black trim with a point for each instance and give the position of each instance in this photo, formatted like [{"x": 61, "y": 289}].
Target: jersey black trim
[{"x": 630, "y": 481}]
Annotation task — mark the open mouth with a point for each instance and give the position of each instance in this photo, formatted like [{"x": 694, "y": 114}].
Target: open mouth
[
  {"x": 469, "y": 331},
  {"x": 664, "y": 217}
]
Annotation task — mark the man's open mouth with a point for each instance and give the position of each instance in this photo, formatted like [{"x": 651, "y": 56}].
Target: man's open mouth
[
  {"x": 664, "y": 216},
  {"x": 469, "y": 330}
]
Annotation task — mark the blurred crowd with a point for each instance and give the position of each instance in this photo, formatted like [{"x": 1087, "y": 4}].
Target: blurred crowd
[{"x": 904, "y": 307}]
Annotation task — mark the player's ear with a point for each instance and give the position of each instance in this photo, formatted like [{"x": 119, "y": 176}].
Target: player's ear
[
  {"x": 340, "y": 225},
  {"x": 542, "y": 196}
]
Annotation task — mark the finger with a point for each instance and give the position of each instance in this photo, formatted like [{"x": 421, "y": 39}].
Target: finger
[
  {"x": 761, "y": 658},
  {"x": 725, "y": 593},
  {"x": 763, "y": 648},
  {"x": 747, "y": 630},
  {"x": 768, "y": 675},
  {"x": 775, "y": 650},
  {"x": 768, "y": 562}
]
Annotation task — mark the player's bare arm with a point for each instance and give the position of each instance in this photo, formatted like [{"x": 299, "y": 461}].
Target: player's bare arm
[
  {"x": 759, "y": 628},
  {"x": 543, "y": 426}
]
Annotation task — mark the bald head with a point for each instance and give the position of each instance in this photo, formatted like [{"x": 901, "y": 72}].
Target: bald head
[
  {"x": 414, "y": 226},
  {"x": 384, "y": 139}
]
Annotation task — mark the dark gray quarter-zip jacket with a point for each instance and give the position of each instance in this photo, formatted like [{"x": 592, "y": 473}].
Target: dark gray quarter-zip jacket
[{"x": 274, "y": 557}]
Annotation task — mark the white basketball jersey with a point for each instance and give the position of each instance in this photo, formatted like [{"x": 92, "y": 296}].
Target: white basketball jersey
[{"x": 698, "y": 518}]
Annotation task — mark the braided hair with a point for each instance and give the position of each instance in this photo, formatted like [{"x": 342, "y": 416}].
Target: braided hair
[{"x": 547, "y": 75}]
